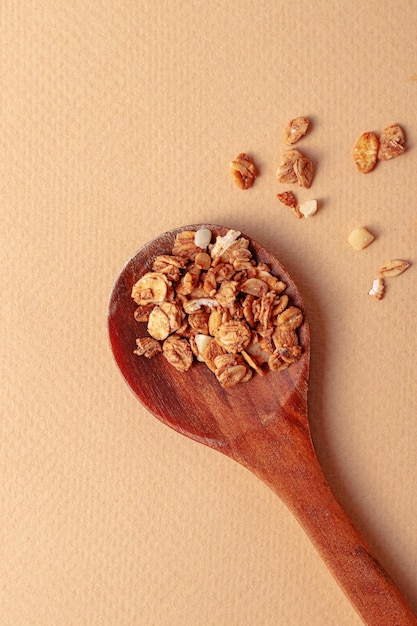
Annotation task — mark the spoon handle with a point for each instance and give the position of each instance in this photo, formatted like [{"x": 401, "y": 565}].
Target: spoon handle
[{"x": 294, "y": 473}]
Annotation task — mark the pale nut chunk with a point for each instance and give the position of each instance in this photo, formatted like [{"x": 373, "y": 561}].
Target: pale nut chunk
[
  {"x": 244, "y": 171},
  {"x": 231, "y": 369},
  {"x": 254, "y": 287},
  {"x": 360, "y": 237},
  {"x": 291, "y": 318},
  {"x": 201, "y": 342},
  {"x": 365, "y": 152},
  {"x": 178, "y": 353},
  {"x": 308, "y": 208},
  {"x": 295, "y": 129},
  {"x": 391, "y": 142},
  {"x": 147, "y": 346},
  {"x": 202, "y": 237},
  {"x": 234, "y": 336},
  {"x": 378, "y": 288},
  {"x": 393, "y": 268},
  {"x": 151, "y": 288}
]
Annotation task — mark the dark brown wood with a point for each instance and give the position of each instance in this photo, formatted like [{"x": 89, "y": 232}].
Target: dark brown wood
[{"x": 262, "y": 424}]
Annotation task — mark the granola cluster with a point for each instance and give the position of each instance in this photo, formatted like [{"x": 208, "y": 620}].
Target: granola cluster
[{"x": 217, "y": 305}]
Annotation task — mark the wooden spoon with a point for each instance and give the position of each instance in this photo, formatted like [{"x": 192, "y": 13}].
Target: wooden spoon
[{"x": 262, "y": 424}]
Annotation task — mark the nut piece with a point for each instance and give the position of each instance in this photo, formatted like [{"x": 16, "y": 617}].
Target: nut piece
[
  {"x": 360, "y": 237},
  {"x": 393, "y": 268},
  {"x": 243, "y": 171},
  {"x": 365, "y": 152},
  {"x": 295, "y": 129},
  {"x": 378, "y": 288},
  {"x": 308, "y": 208},
  {"x": 202, "y": 237},
  {"x": 392, "y": 142},
  {"x": 295, "y": 168}
]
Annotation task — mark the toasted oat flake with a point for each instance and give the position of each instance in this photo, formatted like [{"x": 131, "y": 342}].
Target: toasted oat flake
[
  {"x": 391, "y": 142},
  {"x": 365, "y": 152},
  {"x": 393, "y": 268},
  {"x": 295, "y": 130}
]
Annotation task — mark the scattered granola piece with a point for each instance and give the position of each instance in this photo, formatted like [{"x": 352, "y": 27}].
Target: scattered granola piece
[
  {"x": 285, "y": 171},
  {"x": 304, "y": 171},
  {"x": 308, "y": 208},
  {"x": 393, "y": 268},
  {"x": 365, "y": 152},
  {"x": 378, "y": 288},
  {"x": 391, "y": 142},
  {"x": 295, "y": 168},
  {"x": 360, "y": 237},
  {"x": 295, "y": 129},
  {"x": 244, "y": 171},
  {"x": 289, "y": 199}
]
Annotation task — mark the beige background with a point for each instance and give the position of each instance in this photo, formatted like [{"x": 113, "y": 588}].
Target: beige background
[{"x": 118, "y": 121}]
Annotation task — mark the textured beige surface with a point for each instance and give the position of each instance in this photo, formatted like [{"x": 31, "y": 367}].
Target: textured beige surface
[{"x": 118, "y": 121}]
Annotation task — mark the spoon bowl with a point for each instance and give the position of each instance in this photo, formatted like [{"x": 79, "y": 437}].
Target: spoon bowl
[{"x": 263, "y": 425}]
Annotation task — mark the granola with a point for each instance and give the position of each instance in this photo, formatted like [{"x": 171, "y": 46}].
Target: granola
[
  {"x": 212, "y": 302},
  {"x": 365, "y": 152},
  {"x": 295, "y": 168},
  {"x": 295, "y": 129},
  {"x": 392, "y": 142},
  {"x": 244, "y": 171}
]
